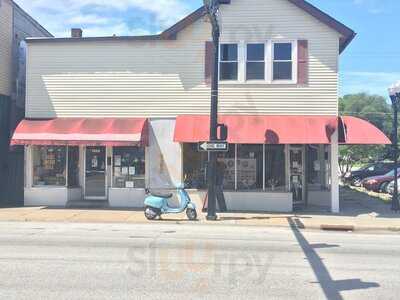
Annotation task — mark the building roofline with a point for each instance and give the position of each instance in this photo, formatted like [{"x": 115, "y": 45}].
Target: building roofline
[
  {"x": 347, "y": 33},
  {"x": 31, "y": 19},
  {"x": 171, "y": 33},
  {"x": 34, "y": 40}
]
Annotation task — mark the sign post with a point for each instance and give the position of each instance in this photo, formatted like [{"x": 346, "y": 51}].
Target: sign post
[{"x": 212, "y": 10}]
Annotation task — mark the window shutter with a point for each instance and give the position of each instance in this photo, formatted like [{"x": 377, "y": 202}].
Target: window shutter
[
  {"x": 302, "y": 58},
  {"x": 208, "y": 62}
]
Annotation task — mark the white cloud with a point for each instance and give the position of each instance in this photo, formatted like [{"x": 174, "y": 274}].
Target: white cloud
[
  {"x": 372, "y": 6},
  {"x": 105, "y": 17},
  {"x": 88, "y": 19},
  {"x": 371, "y": 82}
]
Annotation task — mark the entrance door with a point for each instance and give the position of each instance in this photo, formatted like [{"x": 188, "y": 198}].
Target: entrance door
[
  {"x": 95, "y": 173},
  {"x": 297, "y": 178}
]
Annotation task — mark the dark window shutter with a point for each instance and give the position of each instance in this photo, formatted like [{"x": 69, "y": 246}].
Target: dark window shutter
[
  {"x": 208, "y": 62},
  {"x": 302, "y": 58}
]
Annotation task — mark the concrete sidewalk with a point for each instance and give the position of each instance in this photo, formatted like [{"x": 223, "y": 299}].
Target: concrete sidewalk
[{"x": 371, "y": 222}]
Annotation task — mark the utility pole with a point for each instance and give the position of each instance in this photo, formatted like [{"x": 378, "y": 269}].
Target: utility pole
[
  {"x": 212, "y": 10},
  {"x": 394, "y": 92}
]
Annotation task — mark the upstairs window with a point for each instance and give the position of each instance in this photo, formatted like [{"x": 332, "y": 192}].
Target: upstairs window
[
  {"x": 229, "y": 62},
  {"x": 255, "y": 63},
  {"x": 282, "y": 61}
]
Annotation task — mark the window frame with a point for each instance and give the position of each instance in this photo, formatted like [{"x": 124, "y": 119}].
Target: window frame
[
  {"x": 265, "y": 61},
  {"x": 238, "y": 61},
  {"x": 31, "y": 183},
  {"x": 293, "y": 60},
  {"x": 268, "y": 62},
  {"x": 144, "y": 176},
  {"x": 264, "y": 188}
]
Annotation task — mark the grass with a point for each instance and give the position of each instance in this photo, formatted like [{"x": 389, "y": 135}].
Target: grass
[{"x": 387, "y": 198}]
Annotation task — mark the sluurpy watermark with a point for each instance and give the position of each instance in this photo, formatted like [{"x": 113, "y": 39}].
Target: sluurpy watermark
[{"x": 202, "y": 264}]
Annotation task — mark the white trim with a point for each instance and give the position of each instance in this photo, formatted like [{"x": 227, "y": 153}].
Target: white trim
[
  {"x": 294, "y": 62},
  {"x": 268, "y": 62},
  {"x": 335, "y": 203},
  {"x": 238, "y": 61},
  {"x": 254, "y": 61}
]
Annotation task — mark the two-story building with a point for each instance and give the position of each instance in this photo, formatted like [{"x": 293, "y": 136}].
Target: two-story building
[
  {"x": 15, "y": 26},
  {"x": 107, "y": 117}
]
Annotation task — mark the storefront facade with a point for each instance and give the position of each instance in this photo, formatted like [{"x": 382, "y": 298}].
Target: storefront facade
[
  {"x": 94, "y": 165},
  {"x": 278, "y": 97}
]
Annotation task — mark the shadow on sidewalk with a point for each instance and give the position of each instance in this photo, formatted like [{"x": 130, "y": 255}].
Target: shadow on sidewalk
[{"x": 330, "y": 287}]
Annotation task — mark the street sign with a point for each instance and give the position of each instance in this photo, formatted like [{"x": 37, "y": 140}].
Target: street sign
[{"x": 214, "y": 146}]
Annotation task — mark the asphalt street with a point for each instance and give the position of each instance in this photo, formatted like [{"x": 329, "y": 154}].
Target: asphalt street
[{"x": 171, "y": 261}]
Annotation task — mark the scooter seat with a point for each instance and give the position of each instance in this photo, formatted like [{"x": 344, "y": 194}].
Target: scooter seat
[{"x": 161, "y": 195}]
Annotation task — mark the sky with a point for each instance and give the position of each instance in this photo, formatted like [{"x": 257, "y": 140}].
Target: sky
[{"x": 370, "y": 63}]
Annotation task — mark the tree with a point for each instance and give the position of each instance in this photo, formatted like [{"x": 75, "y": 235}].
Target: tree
[{"x": 374, "y": 109}]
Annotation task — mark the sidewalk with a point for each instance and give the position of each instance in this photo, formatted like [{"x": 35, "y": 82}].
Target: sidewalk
[{"x": 368, "y": 222}]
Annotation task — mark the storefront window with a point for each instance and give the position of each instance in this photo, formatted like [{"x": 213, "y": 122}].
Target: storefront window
[
  {"x": 128, "y": 167},
  {"x": 194, "y": 167},
  {"x": 243, "y": 167},
  {"x": 250, "y": 167},
  {"x": 73, "y": 166},
  {"x": 317, "y": 167},
  {"x": 227, "y": 161},
  {"x": 49, "y": 165},
  {"x": 275, "y": 168}
]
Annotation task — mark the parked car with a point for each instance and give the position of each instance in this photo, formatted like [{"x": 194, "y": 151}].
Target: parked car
[
  {"x": 374, "y": 169},
  {"x": 379, "y": 183},
  {"x": 390, "y": 187}
]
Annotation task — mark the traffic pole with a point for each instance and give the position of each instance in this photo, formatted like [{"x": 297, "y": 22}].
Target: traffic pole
[{"x": 212, "y": 11}]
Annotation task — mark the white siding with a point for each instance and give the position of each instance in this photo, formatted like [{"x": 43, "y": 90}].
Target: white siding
[
  {"x": 166, "y": 78},
  {"x": 6, "y": 12}
]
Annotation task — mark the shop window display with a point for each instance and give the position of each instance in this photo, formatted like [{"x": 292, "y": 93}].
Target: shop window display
[
  {"x": 317, "y": 167},
  {"x": 49, "y": 165},
  {"x": 73, "y": 166},
  {"x": 250, "y": 167},
  {"x": 128, "y": 167},
  {"x": 194, "y": 167},
  {"x": 227, "y": 160},
  {"x": 275, "y": 168}
]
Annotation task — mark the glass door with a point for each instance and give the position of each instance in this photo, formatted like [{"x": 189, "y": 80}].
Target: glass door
[
  {"x": 95, "y": 172},
  {"x": 296, "y": 155}
]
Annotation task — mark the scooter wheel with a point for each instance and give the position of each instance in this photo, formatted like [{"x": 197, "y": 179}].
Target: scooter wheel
[
  {"x": 150, "y": 213},
  {"x": 191, "y": 214}
]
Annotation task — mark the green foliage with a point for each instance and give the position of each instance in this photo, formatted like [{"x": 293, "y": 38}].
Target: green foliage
[{"x": 374, "y": 109}]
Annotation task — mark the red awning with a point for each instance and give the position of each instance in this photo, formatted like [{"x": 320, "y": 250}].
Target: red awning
[
  {"x": 82, "y": 131},
  {"x": 245, "y": 129},
  {"x": 360, "y": 132},
  {"x": 259, "y": 129}
]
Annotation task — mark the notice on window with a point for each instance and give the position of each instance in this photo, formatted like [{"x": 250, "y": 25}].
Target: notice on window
[
  {"x": 94, "y": 162},
  {"x": 129, "y": 184},
  {"x": 317, "y": 166},
  {"x": 132, "y": 171},
  {"x": 124, "y": 171},
  {"x": 247, "y": 171},
  {"x": 117, "y": 160},
  {"x": 117, "y": 171}
]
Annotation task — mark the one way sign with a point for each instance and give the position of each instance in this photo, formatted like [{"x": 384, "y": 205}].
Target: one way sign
[{"x": 216, "y": 146}]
